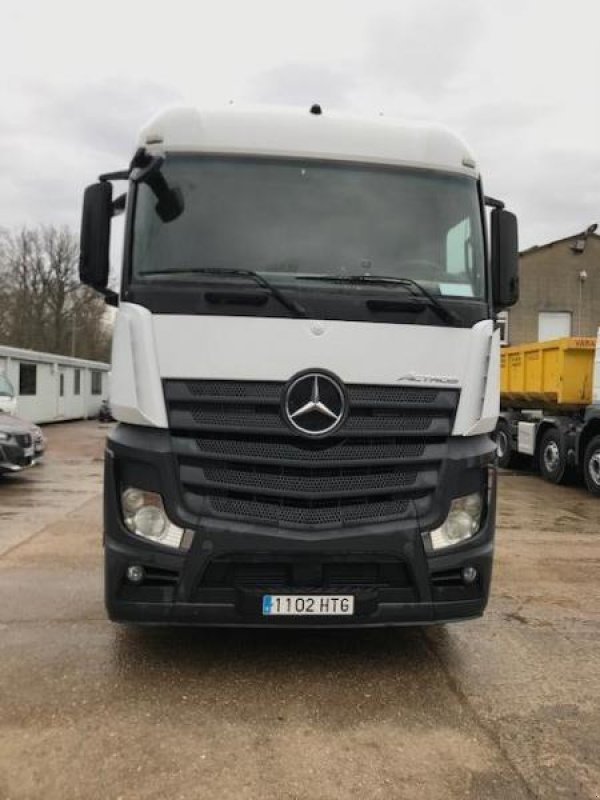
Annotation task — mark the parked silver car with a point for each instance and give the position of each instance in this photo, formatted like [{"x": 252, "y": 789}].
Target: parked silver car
[{"x": 22, "y": 443}]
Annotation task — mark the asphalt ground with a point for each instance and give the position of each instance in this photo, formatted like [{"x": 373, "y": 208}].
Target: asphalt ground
[{"x": 507, "y": 706}]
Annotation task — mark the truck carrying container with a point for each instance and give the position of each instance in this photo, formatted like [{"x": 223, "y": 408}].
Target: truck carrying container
[
  {"x": 559, "y": 372},
  {"x": 550, "y": 400}
]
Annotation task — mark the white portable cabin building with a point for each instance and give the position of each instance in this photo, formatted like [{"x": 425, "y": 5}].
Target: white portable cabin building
[{"x": 51, "y": 388}]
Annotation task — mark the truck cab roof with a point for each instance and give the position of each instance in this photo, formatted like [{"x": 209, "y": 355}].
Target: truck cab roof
[{"x": 306, "y": 133}]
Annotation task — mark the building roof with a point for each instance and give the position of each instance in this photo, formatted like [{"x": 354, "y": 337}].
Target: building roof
[
  {"x": 537, "y": 247},
  {"x": 50, "y": 358},
  {"x": 284, "y": 132}
]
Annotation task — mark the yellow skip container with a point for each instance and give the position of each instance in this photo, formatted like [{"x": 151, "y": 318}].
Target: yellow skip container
[{"x": 559, "y": 372}]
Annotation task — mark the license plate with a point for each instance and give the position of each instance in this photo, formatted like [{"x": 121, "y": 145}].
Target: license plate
[{"x": 307, "y": 605}]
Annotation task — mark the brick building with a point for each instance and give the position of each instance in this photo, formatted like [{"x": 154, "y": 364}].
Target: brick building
[{"x": 560, "y": 291}]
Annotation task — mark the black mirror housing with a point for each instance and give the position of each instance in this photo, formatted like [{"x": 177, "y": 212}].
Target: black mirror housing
[
  {"x": 94, "y": 246},
  {"x": 146, "y": 170},
  {"x": 170, "y": 204},
  {"x": 505, "y": 258}
]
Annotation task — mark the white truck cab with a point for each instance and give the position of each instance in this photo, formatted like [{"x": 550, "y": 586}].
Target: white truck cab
[
  {"x": 8, "y": 399},
  {"x": 305, "y": 371}
]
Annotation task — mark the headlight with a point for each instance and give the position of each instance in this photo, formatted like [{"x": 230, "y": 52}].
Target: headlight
[
  {"x": 4, "y": 437},
  {"x": 463, "y": 522},
  {"x": 144, "y": 515}
]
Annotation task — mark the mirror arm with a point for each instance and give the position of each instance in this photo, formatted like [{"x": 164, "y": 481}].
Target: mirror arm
[
  {"x": 120, "y": 175},
  {"x": 142, "y": 164},
  {"x": 491, "y": 201}
]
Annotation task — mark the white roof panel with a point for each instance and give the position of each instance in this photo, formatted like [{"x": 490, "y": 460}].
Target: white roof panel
[
  {"x": 19, "y": 354},
  {"x": 301, "y": 134}
]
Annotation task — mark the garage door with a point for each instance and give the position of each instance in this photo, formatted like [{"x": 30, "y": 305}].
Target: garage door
[{"x": 553, "y": 325}]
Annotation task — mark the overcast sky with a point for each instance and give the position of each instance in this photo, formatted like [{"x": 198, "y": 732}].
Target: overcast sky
[{"x": 519, "y": 79}]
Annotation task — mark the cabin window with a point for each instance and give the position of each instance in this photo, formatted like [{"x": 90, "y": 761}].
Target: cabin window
[
  {"x": 77, "y": 382},
  {"x": 27, "y": 379},
  {"x": 96, "y": 382}
]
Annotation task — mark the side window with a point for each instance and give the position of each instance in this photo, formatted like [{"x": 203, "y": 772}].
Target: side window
[
  {"x": 27, "y": 379},
  {"x": 62, "y": 384},
  {"x": 459, "y": 249},
  {"x": 77, "y": 382},
  {"x": 96, "y": 382}
]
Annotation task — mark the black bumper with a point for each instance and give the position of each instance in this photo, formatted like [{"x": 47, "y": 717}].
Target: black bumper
[
  {"x": 13, "y": 458},
  {"x": 211, "y": 584}
]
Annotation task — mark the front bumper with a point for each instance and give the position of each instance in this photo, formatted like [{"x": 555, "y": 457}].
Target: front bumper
[
  {"x": 197, "y": 588},
  {"x": 13, "y": 458}
]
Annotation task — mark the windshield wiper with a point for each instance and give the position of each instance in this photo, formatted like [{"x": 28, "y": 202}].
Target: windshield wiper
[
  {"x": 412, "y": 285},
  {"x": 291, "y": 305}
]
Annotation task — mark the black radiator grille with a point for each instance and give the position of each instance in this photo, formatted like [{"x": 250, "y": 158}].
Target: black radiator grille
[
  {"x": 348, "y": 451},
  {"x": 237, "y": 458},
  {"x": 298, "y": 573},
  {"x": 314, "y": 482},
  {"x": 243, "y": 579},
  {"x": 297, "y": 513},
  {"x": 227, "y": 417},
  {"x": 262, "y": 419}
]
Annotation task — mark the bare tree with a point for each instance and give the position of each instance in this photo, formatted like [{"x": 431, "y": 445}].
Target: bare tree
[{"x": 42, "y": 305}]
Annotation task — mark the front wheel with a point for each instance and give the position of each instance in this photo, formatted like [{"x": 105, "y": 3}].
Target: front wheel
[
  {"x": 591, "y": 466},
  {"x": 504, "y": 448},
  {"x": 553, "y": 456}
]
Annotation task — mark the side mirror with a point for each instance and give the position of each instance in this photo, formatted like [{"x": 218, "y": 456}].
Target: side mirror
[
  {"x": 505, "y": 258},
  {"x": 94, "y": 243}
]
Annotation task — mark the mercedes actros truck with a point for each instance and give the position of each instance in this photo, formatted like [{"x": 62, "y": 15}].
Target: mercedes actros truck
[
  {"x": 305, "y": 371},
  {"x": 550, "y": 408}
]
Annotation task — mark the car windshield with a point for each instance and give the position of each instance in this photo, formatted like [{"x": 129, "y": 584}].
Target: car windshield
[
  {"x": 6, "y": 387},
  {"x": 290, "y": 219}
]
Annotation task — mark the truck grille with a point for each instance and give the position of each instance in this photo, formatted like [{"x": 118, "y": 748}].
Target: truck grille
[
  {"x": 238, "y": 459},
  {"x": 296, "y": 572},
  {"x": 240, "y": 578}
]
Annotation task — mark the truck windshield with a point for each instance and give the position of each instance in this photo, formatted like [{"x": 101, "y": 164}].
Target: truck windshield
[
  {"x": 293, "y": 219},
  {"x": 6, "y": 387}
]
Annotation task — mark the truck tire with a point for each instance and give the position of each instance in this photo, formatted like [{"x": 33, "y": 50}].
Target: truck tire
[
  {"x": 504, "y": 447},
  {"x": 552, "y": 456},
  {"x": 591, "y": 466}
]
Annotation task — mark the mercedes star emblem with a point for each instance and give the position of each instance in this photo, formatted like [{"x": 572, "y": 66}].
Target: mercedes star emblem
[{"x": 314, "y": 403}]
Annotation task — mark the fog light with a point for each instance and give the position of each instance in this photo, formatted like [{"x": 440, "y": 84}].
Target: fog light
[
  {"x": 135, "y": 573},
  {"x": 469, "y": 575}
]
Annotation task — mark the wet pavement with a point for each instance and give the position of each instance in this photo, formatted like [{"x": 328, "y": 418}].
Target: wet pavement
[{"x": 503, "y": 707}]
